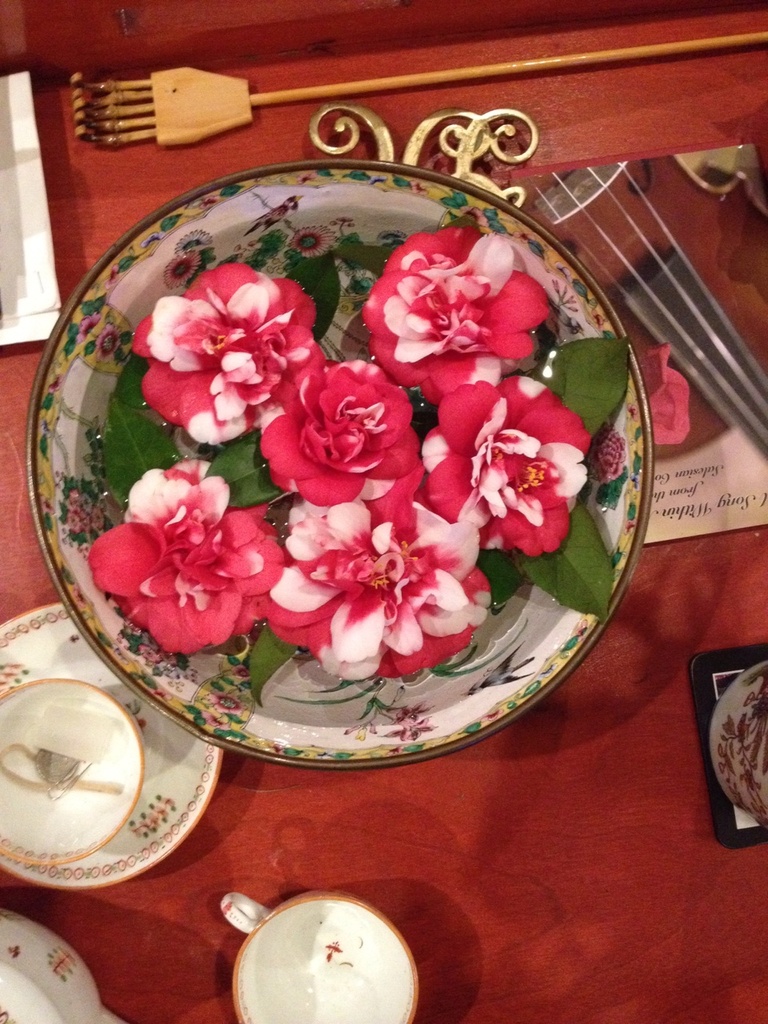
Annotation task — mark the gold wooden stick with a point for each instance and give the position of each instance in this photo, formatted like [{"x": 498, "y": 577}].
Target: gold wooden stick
[
  {"x": 185, "y": 105},
  {"x": 515, "y": 67}
]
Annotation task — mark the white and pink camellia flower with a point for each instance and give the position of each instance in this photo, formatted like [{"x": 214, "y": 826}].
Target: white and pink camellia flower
[
  {"x": 452, "y": 308},
  {"x": 346, "y": 433},
  {"x": 508, "y": 459},
  {"x": 185, "y": 566},
  {"x": 371, "y": 596},
  {"x": 223, "y": 355}
]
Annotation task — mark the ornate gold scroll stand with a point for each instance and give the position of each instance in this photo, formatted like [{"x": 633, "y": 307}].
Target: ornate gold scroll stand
[{"x": 504, "y": 136}]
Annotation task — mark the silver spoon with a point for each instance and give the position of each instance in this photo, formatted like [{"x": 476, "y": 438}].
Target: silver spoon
[{"x": 59, "y": 771}]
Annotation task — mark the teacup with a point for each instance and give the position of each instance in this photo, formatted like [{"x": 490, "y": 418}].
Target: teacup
[
  {"x": 738, "y": 741},
  {"x": 72, "y": 766},
  {"x": 320, "y": 958}
]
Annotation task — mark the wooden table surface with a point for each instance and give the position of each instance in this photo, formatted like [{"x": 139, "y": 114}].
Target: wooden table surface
[{"x": 564, "y": 870}]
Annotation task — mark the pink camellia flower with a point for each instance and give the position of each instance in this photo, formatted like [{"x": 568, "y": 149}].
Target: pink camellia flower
[
  {"x": 223, "y": 356},
  {"x": 378, "y": 597},
  {"x": 184, "y": 566},
  {"x": 345, "y": 433},
  {"x": 452, "y": 308},
  {"x": 508, "y": 459},
  {"x": 609, "y": 454}
]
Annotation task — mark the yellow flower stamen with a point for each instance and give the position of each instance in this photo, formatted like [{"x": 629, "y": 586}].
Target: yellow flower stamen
[{"x": 533, "y": 477}]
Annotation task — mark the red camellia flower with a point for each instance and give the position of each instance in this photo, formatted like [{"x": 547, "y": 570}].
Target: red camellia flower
[
  {"x": 508, "y": 459},
  {"x": 451, "y": 308},
  {"x": 374, "y": 596},
  {"x": 223, "y": 356},
  {"x": 346, "y": 433},
  {"x": 183, "y": 565}
]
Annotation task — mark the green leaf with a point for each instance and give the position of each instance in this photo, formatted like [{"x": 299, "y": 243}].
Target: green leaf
[
  {"x": 245, "y": 469},
  {"x": 371, "y": 257},
  {"x": 170, "y": 222},
  {"x": 132, "y": 445},
  {"x": 267, "y": 655},
  {"x": 457, "y": 200},
  {"x": 590, "y": 375},
  {"x": 502, "y": 574},
  {"x": 319, "y": 277},
  {"x": 91, "y": 306},
  {"x": 128, "y": 390},
  {"x": 579, "y": 574}
]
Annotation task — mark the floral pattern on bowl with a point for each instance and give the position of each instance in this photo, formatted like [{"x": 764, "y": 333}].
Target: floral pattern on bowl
[
  {"x": 271, "y": 220},
  {"x": 737, "y": 741}
]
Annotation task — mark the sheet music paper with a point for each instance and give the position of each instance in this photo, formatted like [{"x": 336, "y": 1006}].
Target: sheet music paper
[
  {"x": 29, "y": 293},
  {"x": 723, "y": 485}
]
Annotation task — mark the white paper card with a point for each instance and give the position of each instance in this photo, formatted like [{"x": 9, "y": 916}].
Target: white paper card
[
  {"x": 29, "y": 292},
  {"x": 721, "y": 486}
]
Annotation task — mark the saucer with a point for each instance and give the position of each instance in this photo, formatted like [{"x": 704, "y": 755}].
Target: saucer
[{"x": 180, "y": 771}]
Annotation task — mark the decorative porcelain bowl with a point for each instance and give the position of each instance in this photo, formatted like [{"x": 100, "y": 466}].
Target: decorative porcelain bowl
[{"x": 272, "y": 218}]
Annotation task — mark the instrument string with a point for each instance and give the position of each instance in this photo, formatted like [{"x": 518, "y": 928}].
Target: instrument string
[
  {"x": 715, "y": 337},
  {"x": 742, "y": 397}
]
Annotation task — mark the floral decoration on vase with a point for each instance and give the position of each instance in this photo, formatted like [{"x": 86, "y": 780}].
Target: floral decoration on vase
[{"x": 372, "y": 513}]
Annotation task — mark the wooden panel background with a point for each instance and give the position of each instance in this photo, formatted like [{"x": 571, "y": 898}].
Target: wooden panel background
[{"x": 54, "y": 38}]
